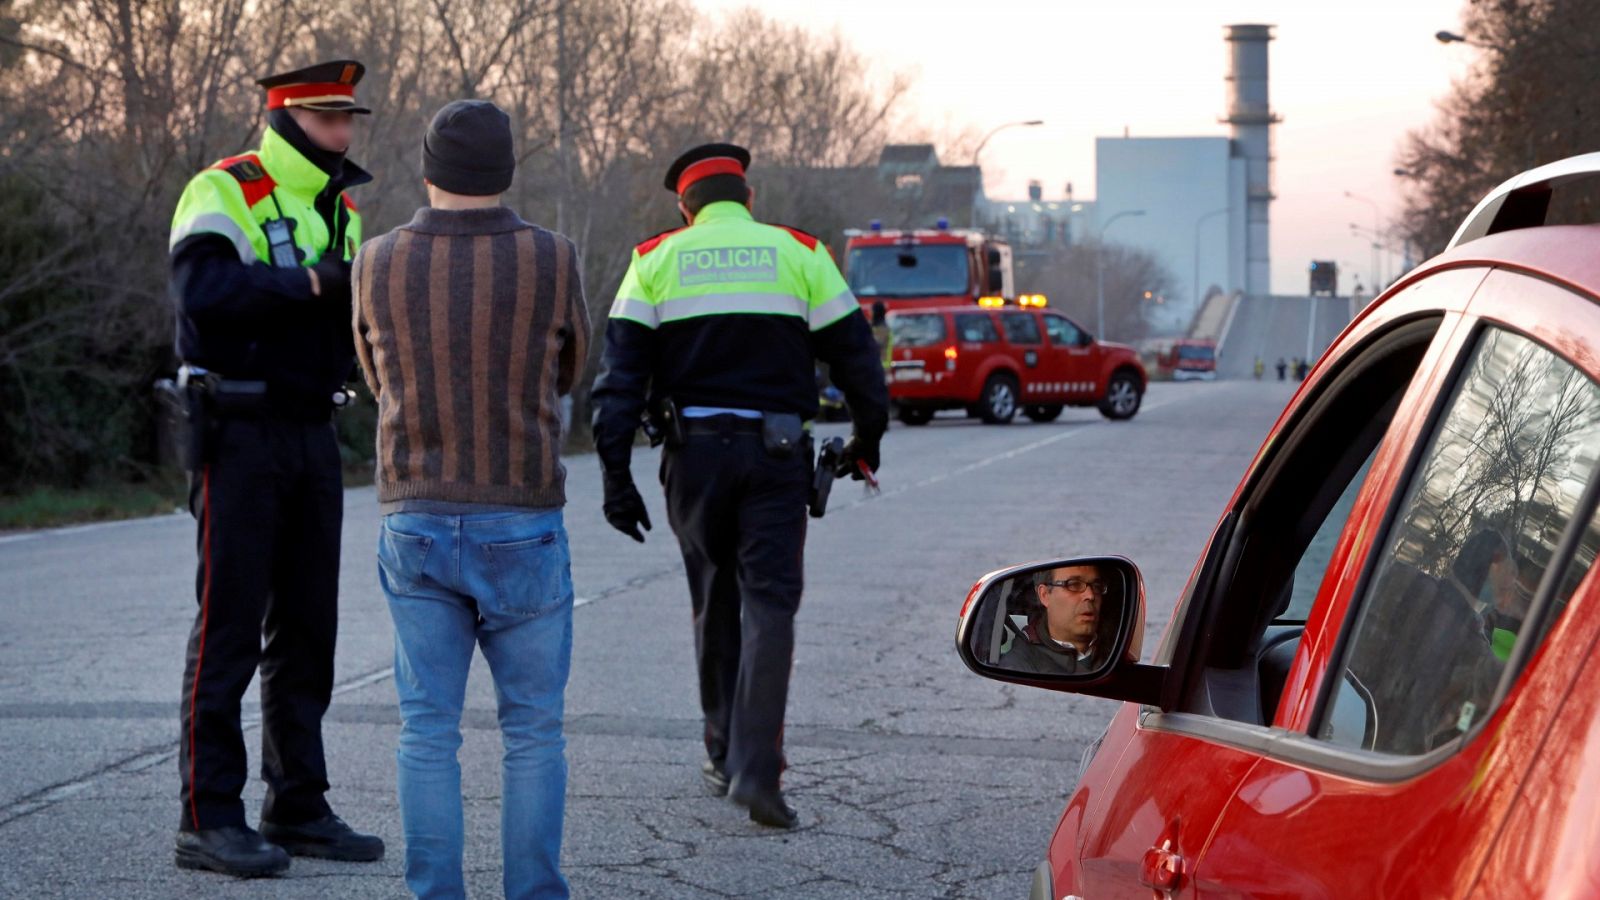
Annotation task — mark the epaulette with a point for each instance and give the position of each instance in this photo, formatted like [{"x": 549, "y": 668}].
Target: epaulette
[
  {"x": 646, "y": 246},
  {"x": 348, "y": 202},
  {"x": 253, "y": 179},
  {"x": 810, "y": 240}
]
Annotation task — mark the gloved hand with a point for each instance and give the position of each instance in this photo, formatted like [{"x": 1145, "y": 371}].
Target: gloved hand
[
  {"x": 623, "y": 506},
  {"x": 856, "y": 449},
  {"x": 333, "y": 278}
]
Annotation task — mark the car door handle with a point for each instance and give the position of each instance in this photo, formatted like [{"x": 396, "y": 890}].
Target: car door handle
[{"x": 1161, "y": 869}]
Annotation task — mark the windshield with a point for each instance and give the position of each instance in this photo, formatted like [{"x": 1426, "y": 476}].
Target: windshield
[
  {"x": 916, "y": 329},
  {"x": 1192, "y": 352},
  {"x": 911, "y": 270}
]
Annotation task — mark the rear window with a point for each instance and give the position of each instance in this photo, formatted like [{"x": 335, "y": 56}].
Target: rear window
[
  {"x": 976, "y": 327},
  {"x": 917, "y": 329}
]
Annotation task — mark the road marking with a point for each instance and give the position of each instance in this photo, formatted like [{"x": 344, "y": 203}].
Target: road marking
[
  {"x": 92, "y": 526},
  {"x": 148, "y": 758}
]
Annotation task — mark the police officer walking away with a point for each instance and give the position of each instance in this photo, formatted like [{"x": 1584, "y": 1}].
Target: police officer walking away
[
  {"x": 717, "y": 328},
  {"x": 260, "y": 260}
]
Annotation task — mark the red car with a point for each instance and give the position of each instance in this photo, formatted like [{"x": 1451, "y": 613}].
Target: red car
[
  {"x": 1381, "y": 680},
  {"x": 995, "y": 361}
]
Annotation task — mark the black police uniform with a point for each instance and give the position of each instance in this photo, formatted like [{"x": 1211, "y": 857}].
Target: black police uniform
[
  {"x": 738, "y": 510},
  {"x": 265, "y": 479}
]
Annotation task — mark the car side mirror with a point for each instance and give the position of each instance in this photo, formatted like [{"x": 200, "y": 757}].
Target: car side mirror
[
  {"x": 1066, "y": 623},
  {"x": 1085, "y": 339}
]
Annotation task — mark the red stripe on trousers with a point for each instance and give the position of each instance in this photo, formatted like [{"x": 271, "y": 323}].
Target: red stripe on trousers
[{"x": 200, "y": 657}]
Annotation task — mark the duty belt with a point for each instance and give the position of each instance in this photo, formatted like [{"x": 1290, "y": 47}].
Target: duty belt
[
  {"x": 721, "y": 424},
  {"x": 243, "y": 398}
]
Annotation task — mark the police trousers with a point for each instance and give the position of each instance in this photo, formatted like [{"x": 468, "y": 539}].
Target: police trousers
[
  {"x": 269, "y": 505},
  {"x": 740, "y": 518}
]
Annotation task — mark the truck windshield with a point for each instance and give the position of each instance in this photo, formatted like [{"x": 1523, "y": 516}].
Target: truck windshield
[
  {"x": 911, "y": 270},
  {"x": 1190, "y": 351}
]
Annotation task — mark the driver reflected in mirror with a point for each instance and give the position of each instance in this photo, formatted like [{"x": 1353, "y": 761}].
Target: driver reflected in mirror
[{"x": 1065, "y": 611}]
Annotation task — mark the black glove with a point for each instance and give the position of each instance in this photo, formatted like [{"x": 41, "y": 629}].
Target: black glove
[
  {"x": 857, "y": 449},
  {"x": 623, "y": 507},
  {"x": 333, "y": 277}
]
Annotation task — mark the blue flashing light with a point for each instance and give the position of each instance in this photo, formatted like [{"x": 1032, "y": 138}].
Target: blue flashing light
[
  {"x": 942, "y": 224},
  {"x": 876, "y": 224}
]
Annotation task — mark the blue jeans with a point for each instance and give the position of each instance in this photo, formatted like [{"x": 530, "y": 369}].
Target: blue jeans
[{"x": 504, "y": 582}]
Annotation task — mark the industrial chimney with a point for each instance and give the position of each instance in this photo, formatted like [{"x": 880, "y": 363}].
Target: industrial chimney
[{"x": 1252, "y": 119}]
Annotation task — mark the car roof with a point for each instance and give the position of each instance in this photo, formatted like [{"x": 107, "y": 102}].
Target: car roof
[
  {"x": 1564, "y": 254},
  {"x": 968, "y": 308}
]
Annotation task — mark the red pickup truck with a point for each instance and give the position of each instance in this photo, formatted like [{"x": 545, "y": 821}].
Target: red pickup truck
[{"x": 995, "y": 362}]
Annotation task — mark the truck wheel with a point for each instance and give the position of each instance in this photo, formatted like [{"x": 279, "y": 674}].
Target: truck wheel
[
  {"x": 998, "y": 404},
  {"x": 911, "y": 415},
  {"x": 1046, "y": 413},
  {"x": 1122, "y": 397}
]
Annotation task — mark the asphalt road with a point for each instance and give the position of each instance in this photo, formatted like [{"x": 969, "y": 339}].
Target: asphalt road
[
  {"x": 913, "y": 777},
  {"x": 1280, "y": 326}
]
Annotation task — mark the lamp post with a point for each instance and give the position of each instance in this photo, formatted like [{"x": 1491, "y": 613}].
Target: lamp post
[
  {"x": 1100, "y": 272},
  {"x": 1374, "y": 274},
  {"x": 1197, "y": 223},
  {"x": 1450, "y": 37},
  {"x": 1030, "y": 123}
]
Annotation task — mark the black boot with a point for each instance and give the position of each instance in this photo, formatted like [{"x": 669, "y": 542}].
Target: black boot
[
  {"x": 234, "y": 850},
  {"x": 326, "y": 838},
  {"x": 765, "y": 804},
  {"x": 716, "y": 780}
]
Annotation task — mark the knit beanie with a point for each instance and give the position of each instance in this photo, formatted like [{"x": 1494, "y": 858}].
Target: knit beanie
[{"x": 467, "y": 149}]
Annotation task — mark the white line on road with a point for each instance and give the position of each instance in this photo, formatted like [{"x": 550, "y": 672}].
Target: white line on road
[{"x": 92, "y": 526}]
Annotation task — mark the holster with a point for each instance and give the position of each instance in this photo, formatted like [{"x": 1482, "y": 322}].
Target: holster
[
  {"x": 782, "y": 434},
  {"x": 822, "y": 479}
]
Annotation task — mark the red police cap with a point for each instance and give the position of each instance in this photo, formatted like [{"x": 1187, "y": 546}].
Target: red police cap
[
  {"x": 703, "y": 162},
  {"x": 325, "y": 87}
]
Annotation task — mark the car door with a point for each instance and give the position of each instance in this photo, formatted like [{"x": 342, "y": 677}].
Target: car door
[
  {"x": 1244, "y": 615},
  {"x": 1445, "y": 652},
  {"x": 1073, "y": 366},
  {"x": 1026, "y": 348}
]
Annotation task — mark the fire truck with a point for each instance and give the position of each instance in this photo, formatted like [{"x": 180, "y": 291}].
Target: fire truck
[{"x": 927, "y": 267}]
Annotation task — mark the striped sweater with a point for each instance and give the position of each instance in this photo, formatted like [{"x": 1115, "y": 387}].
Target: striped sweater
[{"x": 469, "y": 327}]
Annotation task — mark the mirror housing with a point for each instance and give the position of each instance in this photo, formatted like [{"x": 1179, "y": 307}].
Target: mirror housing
[
  {"x": 1074, "y": 624},
  {"x": 996, "y": 283}
]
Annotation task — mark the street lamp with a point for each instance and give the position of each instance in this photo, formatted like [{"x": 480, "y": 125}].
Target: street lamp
[
  {"x": 1450, "y": 37},
  {"x": 1375, "y": 275},
  {"x": 1100, "y": 274},
  {"x": 1197, "y": 224},
  {"x": 1030, "y": 123}
]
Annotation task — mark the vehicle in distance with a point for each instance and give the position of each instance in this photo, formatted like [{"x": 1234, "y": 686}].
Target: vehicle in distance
[
  {"x": 995, "y": 361},
  {"x": 926, "y": 267}
]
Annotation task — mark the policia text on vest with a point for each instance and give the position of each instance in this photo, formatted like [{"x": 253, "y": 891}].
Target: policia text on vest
[{"x": 724, "y": 321}]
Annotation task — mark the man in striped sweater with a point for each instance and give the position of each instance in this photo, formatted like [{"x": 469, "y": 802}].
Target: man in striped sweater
[{"x": 470, "y": 325}]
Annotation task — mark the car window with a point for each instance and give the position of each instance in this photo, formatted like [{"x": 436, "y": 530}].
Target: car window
[
  {"x": 1319, "y": 553},
  {"x": 1020, "y": 328},
  {"x": 1448, "y": 602},
  {"x": 1062, "y": 332},
  {"x": 976, "y": 327},
  {"x": 1290, "y": 509},
  {"x": 917, "y": 329}
]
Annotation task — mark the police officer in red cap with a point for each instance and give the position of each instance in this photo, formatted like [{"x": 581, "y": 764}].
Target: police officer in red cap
[
  {"x": 718, "y": 327},
  {"x": 260, "y": 275}
]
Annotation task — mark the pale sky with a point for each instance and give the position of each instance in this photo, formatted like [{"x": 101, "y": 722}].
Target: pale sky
[{"x": 1348, "y": 78}]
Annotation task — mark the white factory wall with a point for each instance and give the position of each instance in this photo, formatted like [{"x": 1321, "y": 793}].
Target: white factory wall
[{"x": 1176, "y": 181}]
